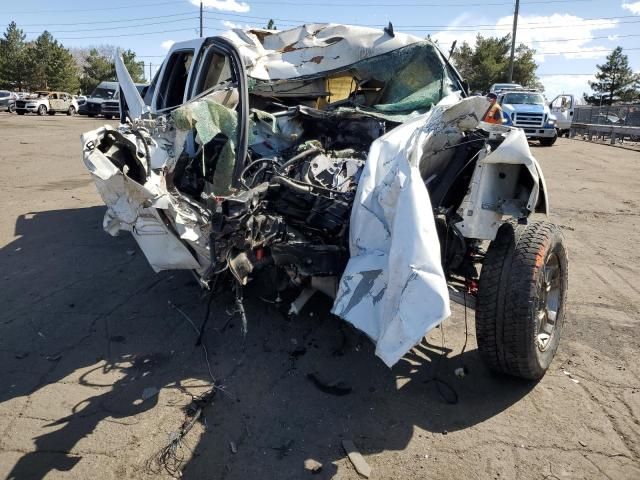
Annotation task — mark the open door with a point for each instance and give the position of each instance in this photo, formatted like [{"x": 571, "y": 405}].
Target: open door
[
  {"x": 562, "y": 108},
  {"x": 131, "y": 103}
]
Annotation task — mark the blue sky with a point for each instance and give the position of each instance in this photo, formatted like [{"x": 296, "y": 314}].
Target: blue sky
[{"x": 569, "y": 45}]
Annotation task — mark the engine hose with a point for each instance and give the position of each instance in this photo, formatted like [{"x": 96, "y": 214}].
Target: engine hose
[
  {"x": 291, "y": 184},
  {"x": 300, "y": 156}
]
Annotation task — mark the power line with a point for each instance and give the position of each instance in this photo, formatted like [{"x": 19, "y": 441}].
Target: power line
[
  {"x": 193, "y": 29},
  {"x": 115, "y": 28},
  {"x": 296, "y": 22},
  {"x": 101, "y": 9},
  {"x": 105, "y": 21},
  {"x": 294, "y": 3},
  {"x": 446, "y": 4}
]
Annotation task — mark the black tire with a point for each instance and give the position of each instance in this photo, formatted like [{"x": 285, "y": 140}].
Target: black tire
[
  {"x": 12, "y": 108},
  {"x": 72, "y": 111},
  {"x": 108, "y": 117},
  {"x": 548, "y": 141},
  {"x": 513, "y": 301},
  {"x": 42, "y": 109},
  {"x": 91, "y": 115},
  {"x": 20, "y": 112}
]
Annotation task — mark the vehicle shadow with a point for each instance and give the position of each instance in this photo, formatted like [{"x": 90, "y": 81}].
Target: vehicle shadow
[{"x": 88, "y": 339}]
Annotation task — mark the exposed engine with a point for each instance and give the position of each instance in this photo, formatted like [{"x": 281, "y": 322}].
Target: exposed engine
[{"x": 295, "y": 207}]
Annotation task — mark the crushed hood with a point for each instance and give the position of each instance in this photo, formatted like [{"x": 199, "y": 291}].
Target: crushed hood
[{"x": 312, "y": 49}]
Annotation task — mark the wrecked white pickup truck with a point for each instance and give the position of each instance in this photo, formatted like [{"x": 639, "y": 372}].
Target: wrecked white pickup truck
[{"x": 346, "y": 160}]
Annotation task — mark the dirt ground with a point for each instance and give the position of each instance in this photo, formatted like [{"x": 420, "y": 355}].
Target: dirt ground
[{"x": 88, "y": 332}]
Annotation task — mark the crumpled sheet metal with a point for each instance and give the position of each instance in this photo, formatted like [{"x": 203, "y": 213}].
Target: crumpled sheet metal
[
  {"x": 394, "y": 288},
  {"x": 311, "y": 49},
  {"x": 132, "y": 207}
]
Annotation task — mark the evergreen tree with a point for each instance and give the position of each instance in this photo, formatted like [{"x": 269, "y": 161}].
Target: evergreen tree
[
  {"x": 487, "y": 62},
  {"x": 50, "y": 65},
  {"x": 615, "y": 81},
  {"x": 12, "y": 62}
]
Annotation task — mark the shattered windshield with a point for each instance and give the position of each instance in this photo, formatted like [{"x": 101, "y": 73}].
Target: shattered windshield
[
  {"x": 103, "y": 93},
  {"x": 524, "y": 99},
  {"x": 404, "y": 81}
]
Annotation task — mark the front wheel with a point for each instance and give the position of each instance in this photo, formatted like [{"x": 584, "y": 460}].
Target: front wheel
[
  {"x": 42, "y": 109},
  {"x": 521, "y": 299},
  {"x": 12, "y": 108},
  {"x": 548, "y": 141}
]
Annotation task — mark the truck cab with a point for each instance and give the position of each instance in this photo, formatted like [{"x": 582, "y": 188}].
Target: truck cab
[
  {"x": 562, "y": 107},
  {"x": 103, "y": 92},
  {"x": 528, "y": 110}
]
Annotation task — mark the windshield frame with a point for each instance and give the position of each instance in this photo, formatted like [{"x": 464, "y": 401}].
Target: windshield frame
[{"x": 524, "y": 96}]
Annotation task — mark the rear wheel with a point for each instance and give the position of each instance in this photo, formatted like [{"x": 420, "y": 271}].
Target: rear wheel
[
  {"x": 521, "y": 299},
  {"x": 42, "y": 109}
]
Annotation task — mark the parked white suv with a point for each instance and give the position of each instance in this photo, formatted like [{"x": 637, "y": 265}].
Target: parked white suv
[{"x": 48, "y": 102}]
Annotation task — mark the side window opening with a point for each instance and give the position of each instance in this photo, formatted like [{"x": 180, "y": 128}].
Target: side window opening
[
  {"x": 174, "y": 81},
  {"x": 216, "y": 70},
  {"x": 209, "y": 156}
]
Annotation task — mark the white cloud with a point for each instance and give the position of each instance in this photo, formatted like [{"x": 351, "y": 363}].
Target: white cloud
[
  {"x": 232, "y": 25},
  {"x": 546, "y": 34},
  {"x": 224, "y": 5},
  {"x": 561, "y": 33},
  {"x": 554, "y": 85},
  {"x": 632, "y": 7},
  {"x": 167, "y": 44},
  {"x": 446, "y": 37}
]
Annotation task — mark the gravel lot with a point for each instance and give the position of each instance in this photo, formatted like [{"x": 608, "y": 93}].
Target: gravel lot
[{"x": 86, "y": 327}]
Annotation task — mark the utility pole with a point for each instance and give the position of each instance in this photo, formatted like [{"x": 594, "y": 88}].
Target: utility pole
[
  {"x": 201, "y": 20},
  {"x": 513, "y": 40},
  {"x": 150, "y": 72}
]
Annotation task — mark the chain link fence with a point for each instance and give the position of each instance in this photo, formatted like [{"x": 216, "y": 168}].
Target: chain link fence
[{"x": 620, "y": 115}]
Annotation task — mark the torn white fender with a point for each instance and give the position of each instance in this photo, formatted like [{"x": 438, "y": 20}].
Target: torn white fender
[
  {"x": 394, "y": 288},
  {"x": 495, "y": 189},
  {"x": 129, "y": 206}
]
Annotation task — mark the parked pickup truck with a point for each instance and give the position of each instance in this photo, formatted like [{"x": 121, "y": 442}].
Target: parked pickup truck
[
  {"x": 48, "y": 102},
  {"x": 529, "y": 111},
  {"x": 111, "y": 107},
  {"x": 103, "y": 92}
]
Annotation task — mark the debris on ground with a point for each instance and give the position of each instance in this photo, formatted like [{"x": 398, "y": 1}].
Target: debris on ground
[
  {"x": 568, "y": 374},
  {"x": 233, "y": 447},
  {"x": 460, "y": 372},
  {"x": 337, "y": 387},
  {"x": 358, "y": 461},
  {"x": 312, "y": 465},
  {"x": 172, "y": 457}
]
